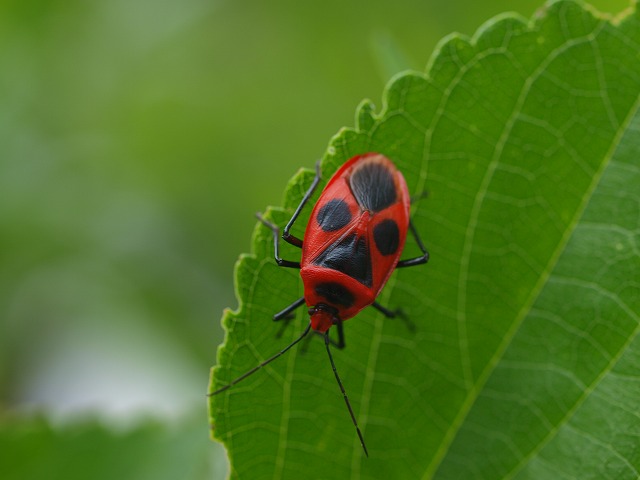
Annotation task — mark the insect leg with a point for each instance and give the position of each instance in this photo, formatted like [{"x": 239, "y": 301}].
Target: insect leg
[
  {"x": 344, "y": 393},
  {"x": 419, "y": 196},
  {"x": 424, "y": 258},
  {"x": 395, "y": 314},
  {"x": 285, "y": 314},
  {"x": 276, "y": 244},
  {"x": 340, "y": 343},
  {"x": 385, "y": 311},
  {"x": 286, "y": 236}
]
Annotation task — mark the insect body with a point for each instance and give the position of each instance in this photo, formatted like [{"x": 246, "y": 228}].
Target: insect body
[
  {"x": 354, "y": 239},
  {"x": 352, "y": 244}
]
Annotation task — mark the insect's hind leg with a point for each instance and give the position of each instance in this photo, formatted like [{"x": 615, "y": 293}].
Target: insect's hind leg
[
  {"x": 276, "y": 244},
  {"x": 286, "y": 236},
  {"x": 424, "y": 258}
]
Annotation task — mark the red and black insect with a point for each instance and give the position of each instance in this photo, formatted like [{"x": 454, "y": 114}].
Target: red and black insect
[{"x": 352, "y": 244}]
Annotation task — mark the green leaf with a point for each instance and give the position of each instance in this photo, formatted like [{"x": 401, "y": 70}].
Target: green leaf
[{"x": 525, "y": 359}]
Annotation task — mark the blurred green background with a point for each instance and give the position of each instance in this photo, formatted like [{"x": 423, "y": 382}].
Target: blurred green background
[{"x": 137, "y": 139}]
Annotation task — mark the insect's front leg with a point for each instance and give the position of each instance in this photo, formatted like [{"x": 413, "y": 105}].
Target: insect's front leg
[
  {"x": 398, "y": 313},
  {"x": 340, "y": 343},
  {"x": 287, "y": 315}
]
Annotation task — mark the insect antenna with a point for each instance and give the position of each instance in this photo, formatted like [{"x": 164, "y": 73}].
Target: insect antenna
[
  {"x": 266, "y": 362},
  {"x": 344, "y": 394}
]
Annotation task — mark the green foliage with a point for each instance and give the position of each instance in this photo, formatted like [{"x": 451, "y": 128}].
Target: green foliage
[
  {"x": 32, "y": 448},
  {"x": 525, "y": 359}
]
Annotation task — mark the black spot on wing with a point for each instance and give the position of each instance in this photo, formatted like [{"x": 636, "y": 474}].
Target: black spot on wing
[
  {"x": 335, "y": 293},
  {"x": 333, "y": 215},
  {"x": 386, "y": 235},
  {"x": 373, "y": 186},
  {"x": 350, "y": 256}
]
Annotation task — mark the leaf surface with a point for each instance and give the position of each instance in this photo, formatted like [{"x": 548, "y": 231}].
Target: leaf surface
[{"x": 526, "y": 141}]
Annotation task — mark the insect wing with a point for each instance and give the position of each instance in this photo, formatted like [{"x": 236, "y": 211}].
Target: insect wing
[{"x": 335, "y": 216}]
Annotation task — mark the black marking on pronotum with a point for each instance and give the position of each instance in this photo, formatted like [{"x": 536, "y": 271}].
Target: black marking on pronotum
[{"x": 335, "y": 293}]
